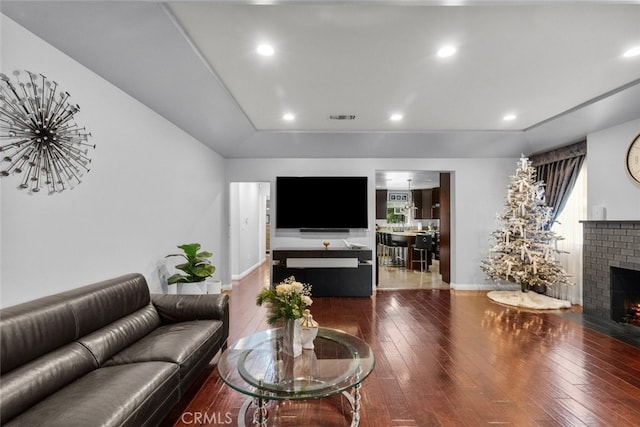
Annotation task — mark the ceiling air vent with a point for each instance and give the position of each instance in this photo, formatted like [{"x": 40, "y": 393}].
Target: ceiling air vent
[{"x": 342, "y": 117}]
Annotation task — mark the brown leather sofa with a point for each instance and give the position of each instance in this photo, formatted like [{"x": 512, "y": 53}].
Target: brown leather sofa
[{"x": 107, "y": 354}]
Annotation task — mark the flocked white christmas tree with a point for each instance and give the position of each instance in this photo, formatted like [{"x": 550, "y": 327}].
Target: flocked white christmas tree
[{"x": 524, "y": 247}]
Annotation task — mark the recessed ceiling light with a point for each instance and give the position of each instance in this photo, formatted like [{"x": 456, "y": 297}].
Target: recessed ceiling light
[
  {"x": 288, "y": 117},
  {"x": 265, "y": 50},
  {"x": 395, "y": 117},
  {"x": 509, "y": 117},
  {"x": 446, "y": 51},
  {"x": 634, "y": 51}
]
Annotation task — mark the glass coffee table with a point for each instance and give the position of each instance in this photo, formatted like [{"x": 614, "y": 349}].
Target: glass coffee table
[{"x": 257, "y": 366}]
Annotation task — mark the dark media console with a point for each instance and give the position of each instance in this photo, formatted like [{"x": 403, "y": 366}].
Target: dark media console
[{"x": 345, "y": 272}]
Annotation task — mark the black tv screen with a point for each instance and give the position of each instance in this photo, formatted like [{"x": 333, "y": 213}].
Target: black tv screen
[{"x": 322, "y": 202}]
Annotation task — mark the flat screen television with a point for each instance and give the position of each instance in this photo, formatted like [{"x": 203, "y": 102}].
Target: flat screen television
[{"x": 322, "y": 203}]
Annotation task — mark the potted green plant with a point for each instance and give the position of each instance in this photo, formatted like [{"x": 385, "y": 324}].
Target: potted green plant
[{"x": 195, "y": 270}]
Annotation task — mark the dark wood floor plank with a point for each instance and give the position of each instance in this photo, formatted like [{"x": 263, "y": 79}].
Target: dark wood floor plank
[{"x": 447, "y": 358}]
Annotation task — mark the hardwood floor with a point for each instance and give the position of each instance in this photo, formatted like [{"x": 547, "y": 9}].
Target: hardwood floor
[
  {"x": 390, "y": 277},
  {"x": 446, "y": 358}
]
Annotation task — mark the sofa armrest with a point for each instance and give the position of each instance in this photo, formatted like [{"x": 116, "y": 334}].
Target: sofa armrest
[{"x": 174, "y": 308}]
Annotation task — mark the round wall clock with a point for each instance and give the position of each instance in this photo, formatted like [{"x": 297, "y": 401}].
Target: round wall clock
[{"x": 633, "y": 159}]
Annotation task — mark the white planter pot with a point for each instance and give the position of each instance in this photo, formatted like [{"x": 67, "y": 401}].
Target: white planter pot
[
  {"x": 213, "y": 286},
  {"x": 197, "y": 288}
]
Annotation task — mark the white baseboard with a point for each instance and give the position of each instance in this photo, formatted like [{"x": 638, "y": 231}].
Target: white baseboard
[{"x": 246, "y": 272}]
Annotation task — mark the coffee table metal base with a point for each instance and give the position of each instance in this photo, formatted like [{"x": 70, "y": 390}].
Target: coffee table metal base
[{"x": 261, "y": 413}]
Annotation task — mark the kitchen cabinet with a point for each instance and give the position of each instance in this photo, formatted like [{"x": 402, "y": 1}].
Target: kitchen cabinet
[
  {"x": 435, "y": 203},
  {"x": 416, "y": 196},
  {"x": 422, "y": 201},
  {"x": 381, "y": 204},
  {"x": 427, "y": 202}
]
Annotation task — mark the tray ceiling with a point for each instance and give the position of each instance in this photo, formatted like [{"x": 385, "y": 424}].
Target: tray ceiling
[{"x": 558, "y": 67}]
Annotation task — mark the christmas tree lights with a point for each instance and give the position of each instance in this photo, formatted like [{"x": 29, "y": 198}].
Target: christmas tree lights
[{"x": 525, "y": 247}]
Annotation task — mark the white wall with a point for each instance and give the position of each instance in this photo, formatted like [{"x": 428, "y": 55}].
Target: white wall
[
  {"x": 151, "y": 187},
  {"x": 479, "y": 189},
  {"x": 609, "y": 185}
]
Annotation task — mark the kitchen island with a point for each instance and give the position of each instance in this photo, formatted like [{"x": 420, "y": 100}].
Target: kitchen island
[{"x": 407, "y": 239}]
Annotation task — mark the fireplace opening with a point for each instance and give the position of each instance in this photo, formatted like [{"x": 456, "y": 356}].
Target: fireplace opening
[{"x": 625, "y": 295}]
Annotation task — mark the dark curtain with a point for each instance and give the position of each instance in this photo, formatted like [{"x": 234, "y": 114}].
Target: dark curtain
[{"x": 559, "y": 170}]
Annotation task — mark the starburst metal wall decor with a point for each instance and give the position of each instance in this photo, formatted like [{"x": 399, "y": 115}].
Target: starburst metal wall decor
[{"x": 38, "y": 137}]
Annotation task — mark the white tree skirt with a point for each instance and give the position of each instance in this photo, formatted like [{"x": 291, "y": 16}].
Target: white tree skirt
[{"x": 528, "y": 300}]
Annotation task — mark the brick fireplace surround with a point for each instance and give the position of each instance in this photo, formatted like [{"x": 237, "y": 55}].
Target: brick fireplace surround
[{"x": 606, "y": 244}]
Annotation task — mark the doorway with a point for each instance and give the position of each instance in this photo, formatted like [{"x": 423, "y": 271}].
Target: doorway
[
  {"x": 410, "y": 203},
  {"x": 248, "y": 226}
]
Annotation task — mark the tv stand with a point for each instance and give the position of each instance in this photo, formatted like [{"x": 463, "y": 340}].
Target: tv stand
[{"x": 344, "y": 272}]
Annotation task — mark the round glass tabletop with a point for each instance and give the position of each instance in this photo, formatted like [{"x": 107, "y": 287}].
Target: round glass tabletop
[{"x": 257, "y": 366}]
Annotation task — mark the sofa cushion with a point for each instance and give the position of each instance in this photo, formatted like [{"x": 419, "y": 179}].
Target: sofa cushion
[
  {"x": 28, "y": 384},
  {"x": 179, "y": 308},
  {"x": 185, "y": 343},
  {"x": 109, "y": 340},
  {"x": 137, "y": 395},
  {"x": 29, "y": 330},
  {"x": 34, "y": 328},
  {"x": 104, "y": 302}
]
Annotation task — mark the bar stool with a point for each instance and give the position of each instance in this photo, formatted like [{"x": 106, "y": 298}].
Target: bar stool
[
  {"x": 399, "y": 245},
  {"x": 380, "y": 248},
  {"x": 386, "y": 244},
  {"x": 423, "y": 245}
]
